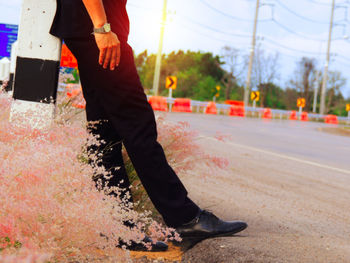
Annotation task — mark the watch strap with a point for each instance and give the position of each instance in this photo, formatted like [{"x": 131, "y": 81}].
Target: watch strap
[{"x": 106, "y": 28}]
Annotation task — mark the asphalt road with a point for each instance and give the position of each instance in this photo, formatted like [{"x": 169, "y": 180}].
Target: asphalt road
[
  {"x": 295, "y": 139},
  {"x": 288, "y": 179}
]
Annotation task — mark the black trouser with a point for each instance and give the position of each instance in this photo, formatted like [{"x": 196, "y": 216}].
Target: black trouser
[{"x": 118, "y": 97}]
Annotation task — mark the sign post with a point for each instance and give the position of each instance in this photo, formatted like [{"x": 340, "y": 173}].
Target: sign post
[
  {"x": 217, "y": 94},
  {"x": 37, "y": 65},
  {"x": 301, "y": 104},
  {"x": 255, "y": 96},
  {"x": 170, "y": 83}
]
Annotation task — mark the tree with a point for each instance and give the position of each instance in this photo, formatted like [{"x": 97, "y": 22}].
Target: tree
[
  {"x": 264, "y": 71},
  {"x": 290, "y": 98},
  {"x": 231, "y": 57},
  {"x": 273, "y": 96},
  {"x": 335, "y": 100},
  {"x": 304, "y": 78},
  {"x": 198, "y": 73}
]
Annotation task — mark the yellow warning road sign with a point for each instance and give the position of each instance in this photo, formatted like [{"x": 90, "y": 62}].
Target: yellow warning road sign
[
  {"x": 255, "y": 95},
  {"x": 347, "y": 107},
  {"x": 171, "y": 82},
  {"x": 218, "y": 88},
  {"x": 301, "y": 102}
]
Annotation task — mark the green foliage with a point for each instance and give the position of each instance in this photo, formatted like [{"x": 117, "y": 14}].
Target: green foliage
[
  {"x": 198, "y": 73},
  {"x": 272, "y": 96}
]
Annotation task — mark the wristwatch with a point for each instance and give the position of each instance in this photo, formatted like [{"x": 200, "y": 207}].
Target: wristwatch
[{"x": 106, "y": 28}]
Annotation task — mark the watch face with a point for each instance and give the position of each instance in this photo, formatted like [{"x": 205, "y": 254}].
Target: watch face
[{"x": 107, "y": 27}]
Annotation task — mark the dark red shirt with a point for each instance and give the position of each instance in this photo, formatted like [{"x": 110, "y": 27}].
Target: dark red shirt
[{"x": 72, "y": 19}]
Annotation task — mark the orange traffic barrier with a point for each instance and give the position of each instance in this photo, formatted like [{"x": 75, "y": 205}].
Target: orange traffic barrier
[
  {"x": 75, "y": 94},
  {"x": 237, "y": 108},
  {"x": 331, "y": 119},
  {"x": 211, "y": 108},
  {"x": 304, "y": 116},
  {"x": 236, "y": 111},
  {"x": 182, "y": 105},
  {"x": 267, "y": 113},
  {"x": 158, "y": 103},
  {"x": 293, "y": 115}
]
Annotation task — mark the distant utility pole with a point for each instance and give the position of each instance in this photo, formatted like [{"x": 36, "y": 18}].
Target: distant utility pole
[
  {"x": 325, "y": 74},
  {"x": 160, "y": 48},
  {"x": 316, "y": 91},
  {"x": 251, "y": 59}
]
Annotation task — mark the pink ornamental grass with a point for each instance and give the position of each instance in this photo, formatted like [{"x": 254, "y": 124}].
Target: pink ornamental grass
[
  {"x": 49, "y": 207},
  {"x": 184, "y": 151}
]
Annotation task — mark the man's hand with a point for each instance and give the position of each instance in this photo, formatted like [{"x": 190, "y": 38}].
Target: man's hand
[{"x": 109, "y": 46}]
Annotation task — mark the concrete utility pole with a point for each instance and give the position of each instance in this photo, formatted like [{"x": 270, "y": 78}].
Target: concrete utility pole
[
  {"x": 316, "y": 91},
  {"x": 251, "y": 59},
  {"x": 37, "y": 65},
  {"x": 325, "y": 74},
  {"x": 160, "y": 49}
]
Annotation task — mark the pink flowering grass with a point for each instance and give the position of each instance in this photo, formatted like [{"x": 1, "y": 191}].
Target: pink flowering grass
[
  {"x": 50, "y": 209},
  {"x": 184, "y": 153}
]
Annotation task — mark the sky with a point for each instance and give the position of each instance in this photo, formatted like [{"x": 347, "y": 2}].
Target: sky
[{"x": 293, "y": 28}]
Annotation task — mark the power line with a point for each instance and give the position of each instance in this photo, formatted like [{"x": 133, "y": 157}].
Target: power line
[
  {"x": 300, "y": 16},
  {"x": 292, "y": 49},
  {"x": 225, "y": 14},
  {"x": 210, "y": 36},
  {"x": 216, "y": 30},
  {"x": 213, "y": 29},
  {"x": 319, "y": 3},
  {"x": 326, "y": 4},
  {"x": 295, "y": 33}
]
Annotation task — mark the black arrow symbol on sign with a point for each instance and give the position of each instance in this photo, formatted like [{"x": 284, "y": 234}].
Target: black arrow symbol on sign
[
  {"x": 254, "y": 95},
  {"x": 172, "y": 82}
]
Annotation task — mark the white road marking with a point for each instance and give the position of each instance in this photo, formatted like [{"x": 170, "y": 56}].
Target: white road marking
[{"x": 283, "y": 156}]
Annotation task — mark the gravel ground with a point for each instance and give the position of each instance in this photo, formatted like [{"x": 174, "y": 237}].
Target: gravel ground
[
  {"x": 296, "y": 202},
  {"x": 296, "y": 213}
]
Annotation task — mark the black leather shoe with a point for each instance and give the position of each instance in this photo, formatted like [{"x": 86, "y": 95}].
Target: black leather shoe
[
  {"x": 207, "y": 225},
  {"x": 155, "y": 247}
]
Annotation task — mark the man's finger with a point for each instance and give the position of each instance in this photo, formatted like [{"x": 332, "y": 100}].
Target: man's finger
[
  {"x": 118, "y": 56},
  {"x": 107, "y": 57},
  {"x": 113, "y": 58},
  {"x": 102, "y": 55}
]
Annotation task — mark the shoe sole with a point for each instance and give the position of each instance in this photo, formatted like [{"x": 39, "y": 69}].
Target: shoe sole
[
  {"x": 190, "y": 241},
  {"x": 144, "y": 249}
]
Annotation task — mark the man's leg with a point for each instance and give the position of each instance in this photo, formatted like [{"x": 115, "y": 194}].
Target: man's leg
[
  {"x": 109, "y": 147},
  {"x": 121, "y": 95}
]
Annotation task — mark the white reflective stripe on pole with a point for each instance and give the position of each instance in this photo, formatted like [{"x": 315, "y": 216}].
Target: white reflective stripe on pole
[
  {"x": 35, "y": 42},
  {"x": 14, "y": 51},
  {"x": 4, "y": 69}
]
